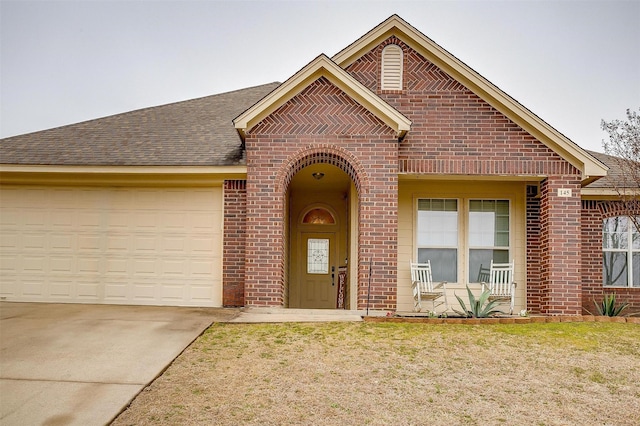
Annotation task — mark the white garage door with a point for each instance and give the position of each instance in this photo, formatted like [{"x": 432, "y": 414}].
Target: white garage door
[{"x": 143, "y": 246}]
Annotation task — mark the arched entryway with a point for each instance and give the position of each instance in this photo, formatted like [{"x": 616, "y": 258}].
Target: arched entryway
[{"x": 320, "y": 199}]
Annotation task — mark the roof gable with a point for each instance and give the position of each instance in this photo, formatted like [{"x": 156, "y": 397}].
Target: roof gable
[
  {"x": 589, "y": 166},
  {"x": 322, "y": 66}
]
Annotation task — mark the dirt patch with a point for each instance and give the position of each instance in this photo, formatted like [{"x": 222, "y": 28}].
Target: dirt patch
[{"x": 400, "y": 373}]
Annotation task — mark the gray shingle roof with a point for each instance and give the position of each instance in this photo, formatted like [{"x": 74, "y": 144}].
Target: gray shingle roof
[
  {"x": 197, "y": 132},
  {"x": 614, "y": 174}
]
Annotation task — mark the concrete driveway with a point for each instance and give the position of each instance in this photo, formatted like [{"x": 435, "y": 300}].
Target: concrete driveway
[{"x": 81, "y": 364}]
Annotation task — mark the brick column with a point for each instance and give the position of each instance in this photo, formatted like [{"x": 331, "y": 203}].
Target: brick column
[
  {"x": 378, "y": 237},
  {"x": 560, "y": 246},
  {"x": 234, "y": 236},
  {"x": 534, "y": 293}
]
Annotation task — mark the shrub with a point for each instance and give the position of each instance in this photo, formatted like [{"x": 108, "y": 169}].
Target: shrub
[
  {"x": 478, "y": 308},
  {"x": 608, "y": 306}
]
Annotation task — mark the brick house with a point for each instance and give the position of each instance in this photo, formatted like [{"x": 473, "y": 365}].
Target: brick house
[{"x": 315, "y": 193}]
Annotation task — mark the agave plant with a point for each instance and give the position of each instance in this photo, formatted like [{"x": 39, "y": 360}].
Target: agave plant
[
  {"x": 608, "y": 306},
  {"x": 478, "y": 308}
]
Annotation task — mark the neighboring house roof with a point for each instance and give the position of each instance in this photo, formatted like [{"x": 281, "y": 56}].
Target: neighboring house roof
[
  {"x": 322, "y": 66},
  {"x": 197, "y": 132},
  {"x": 395, "y": 26},
  {"x": 614, "y": 179}
]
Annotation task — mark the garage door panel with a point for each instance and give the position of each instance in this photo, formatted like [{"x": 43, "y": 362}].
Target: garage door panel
[
  {"x": 204, "y": 245},
  {"x": 10, "y": 217},
  {"x": 34, "y": 241},
  {"x": 88, "y": 220},
  {"x": 33, "y": 289},
  {"x": 120, "y": 221},
  {"x": 118, "y": 244},
  {"x": 62, "y": 243},
  {"x": 111, "y": 245},
  {"x": 173, "y": 245},
  {"x": 89, "y": 265},
  {"x": 63, "y": 289},
  {"x": 145, "y": 244},
  {"x": 174, "y": 222},
  {"x": 9, "y": 240},
  {"x": 61, "y": 265},
  {"x": 90, "y": 243},
  {"x": 33, "y": 264}
]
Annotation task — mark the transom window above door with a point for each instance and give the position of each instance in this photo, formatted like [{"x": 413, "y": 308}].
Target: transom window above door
[
  {"x": 462, "y": 235},
  {"x": 318, "y": 216}
]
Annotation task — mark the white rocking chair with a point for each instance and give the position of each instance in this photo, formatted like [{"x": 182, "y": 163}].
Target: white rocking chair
[
  {"x": 501, "y": 283},
  {"x": 423, "y": 288}
]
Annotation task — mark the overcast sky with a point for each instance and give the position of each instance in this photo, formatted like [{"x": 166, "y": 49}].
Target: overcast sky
[{"x": 572, "y": 63}]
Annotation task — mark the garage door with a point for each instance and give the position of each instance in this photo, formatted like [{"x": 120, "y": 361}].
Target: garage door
[{"x": 143, "y": 246}]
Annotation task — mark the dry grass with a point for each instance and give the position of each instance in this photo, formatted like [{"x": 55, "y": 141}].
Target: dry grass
[{"x": 403, "y": 374}]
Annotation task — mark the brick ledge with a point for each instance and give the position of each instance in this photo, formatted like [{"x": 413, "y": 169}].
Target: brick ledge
[{"x": 505, "y": 320}]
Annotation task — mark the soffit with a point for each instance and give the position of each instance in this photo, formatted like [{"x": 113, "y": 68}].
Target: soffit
[
  {"x": 590, "y": 167},
  {"x": 322, "y": 66}
]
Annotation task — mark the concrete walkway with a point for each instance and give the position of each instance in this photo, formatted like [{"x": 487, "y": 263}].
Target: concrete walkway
[
  {"x": 258, "y": 315},
  {"x": 71, "y": 364}
]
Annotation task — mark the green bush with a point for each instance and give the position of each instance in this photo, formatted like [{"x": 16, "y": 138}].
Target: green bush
[
  {"x": 478, "y": 308},
  {"x": 608, "y": 306}
]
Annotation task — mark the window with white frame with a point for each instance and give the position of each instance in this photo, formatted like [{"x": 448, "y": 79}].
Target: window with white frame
[
  {"x": 620, "y": 248},
  {"x": 486, "y": 236},
  {"x": 438, "y": 237}
]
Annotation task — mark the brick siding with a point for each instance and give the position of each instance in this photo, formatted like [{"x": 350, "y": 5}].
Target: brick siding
[
  {"x": 534, "y": 290},
  {"x": 454, "y": 132},
  {"x": 321, "y": 124},
  {"x": 233, "y": 249},
  {"x": 593, "y": 213},
  {"x": 560, "y": 247}
]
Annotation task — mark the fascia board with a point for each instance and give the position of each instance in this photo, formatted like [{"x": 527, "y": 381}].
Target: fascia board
[
  {"x": 322, "y": 66},
  {"x": 587, "y": 164},
  {"x": 120, "y": 175},
  {"x": 609, "y": 192},
  {"x": 137, "y": 170}
]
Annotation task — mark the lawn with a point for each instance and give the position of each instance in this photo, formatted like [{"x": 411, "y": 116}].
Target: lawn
[{"x": 400, "y": 373}]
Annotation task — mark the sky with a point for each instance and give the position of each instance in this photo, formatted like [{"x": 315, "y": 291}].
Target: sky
[{"x": 573, "y": 63}]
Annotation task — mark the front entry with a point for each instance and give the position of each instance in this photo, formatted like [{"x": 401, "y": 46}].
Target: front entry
[
  {"x": 318, "y": 238},
  {"x": 318, "y": 271}
]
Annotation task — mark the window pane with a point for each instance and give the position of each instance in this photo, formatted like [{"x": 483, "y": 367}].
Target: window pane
[
  {"x": 438, "y": 228},
  {"x": 489, "y": 223},
  {"x": 438, "y": 223},
  {"x": 482, "y": 229},
  {"x": 481, "y": 259},
  {"x": 614, "y": 268},
  {"x": 444, "y": 263},
  {"x": 636, "y": 269},
  {"x": 317, "y": 256},
  {"x": 615, "y": 233}
]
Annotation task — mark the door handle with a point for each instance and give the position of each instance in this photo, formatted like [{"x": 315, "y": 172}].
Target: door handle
[{"x": 333, "y": 275}]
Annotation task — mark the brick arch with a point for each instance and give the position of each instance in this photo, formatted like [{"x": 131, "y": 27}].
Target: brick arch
[
  {"x": 323, "y": 154},
  {"x": 617, "y": 208}
]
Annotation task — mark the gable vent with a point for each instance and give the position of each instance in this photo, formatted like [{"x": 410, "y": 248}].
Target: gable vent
[{"x": 392, "y": 68}]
